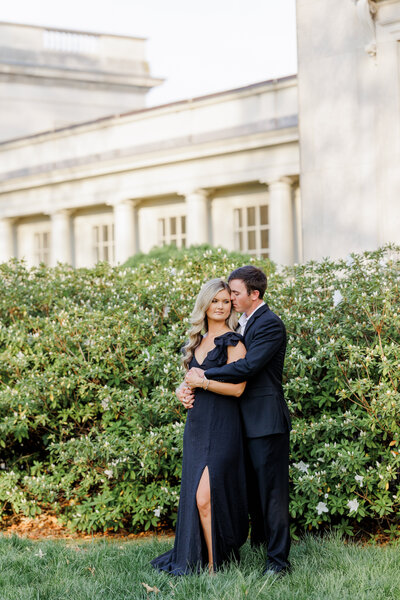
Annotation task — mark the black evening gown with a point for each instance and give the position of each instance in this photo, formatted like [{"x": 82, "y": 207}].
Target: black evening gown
[{"x": 213, "y": 439}]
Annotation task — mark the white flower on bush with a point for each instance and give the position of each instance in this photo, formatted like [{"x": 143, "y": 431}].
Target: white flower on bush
[
  {"x": 157, "y": 511},
  {"x": 353, "y": 505},
  {"x": 108, "y": 473},
  {"x": 337, "y": 297},
  {"x": 321, "y": 508},
  {"x": 359, "y": 479},
  {"x": 40, "y": 554},
  {"x": 104, "y": 403},
  {"x": 301, "y": 466}
]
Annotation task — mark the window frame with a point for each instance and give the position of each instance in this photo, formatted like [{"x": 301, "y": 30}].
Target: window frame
[
  {"x": 103, "y": 247},
  {"x": 242, "y": 229}
]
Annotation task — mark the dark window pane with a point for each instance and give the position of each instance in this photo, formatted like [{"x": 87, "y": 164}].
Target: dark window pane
[
  {"x": 265, "y": 255},
  {"x": 251, "y": 240},
  {"x": 183, "y": 242},
  {"x": 105, "y": 233},
  {"x": 173, "y": 242},
  {"x": 264, "y": 215},
  {"x": 251, "y": 216},
  {"x": 183, "y": 224},
  {"x": 112, "y": 232},
  {"x": 264, "y": 238},
  {"x": 105, "y": 253},
  {"x": 172, "y": 224}
]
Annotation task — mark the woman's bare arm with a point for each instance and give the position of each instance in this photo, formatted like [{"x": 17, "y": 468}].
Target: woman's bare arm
[{"x": 195, "y": 377}]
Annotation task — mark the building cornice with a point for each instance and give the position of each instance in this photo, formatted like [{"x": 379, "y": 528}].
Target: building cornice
[
  {"x": 67, "y": 77},
  {"x": 388, "y": 17},
  {"x": 150, "y": 112},
  {"x": 208, "y": 145},
  {"x": 78, "y": 31}
]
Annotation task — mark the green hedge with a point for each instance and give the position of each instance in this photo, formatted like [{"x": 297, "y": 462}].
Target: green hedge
[{"x": 89, "y": 424}]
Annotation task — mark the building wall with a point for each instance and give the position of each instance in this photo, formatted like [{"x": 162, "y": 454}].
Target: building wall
[
  {"x": 51, "y": 78},
  {"x": 189, "y": 165},
  {"x": 349, "y": 125}
]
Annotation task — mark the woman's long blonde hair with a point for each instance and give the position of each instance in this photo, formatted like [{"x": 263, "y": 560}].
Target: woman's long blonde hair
[{"x": 198, "y": 318}]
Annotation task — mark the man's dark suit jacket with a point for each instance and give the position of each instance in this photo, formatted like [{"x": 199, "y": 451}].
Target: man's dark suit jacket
[{"x": 263, "y": 407}]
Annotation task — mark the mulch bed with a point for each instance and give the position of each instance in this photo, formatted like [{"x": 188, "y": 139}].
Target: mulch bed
[{"x": 47, "y": 526}]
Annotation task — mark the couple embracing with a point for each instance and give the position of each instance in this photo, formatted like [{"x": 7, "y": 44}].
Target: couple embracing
[{"x": 236, "y": 439}]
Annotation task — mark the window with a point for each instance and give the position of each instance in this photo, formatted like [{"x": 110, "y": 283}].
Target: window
[
  {"x": 252, "y": 230},
  {"x": 103, "y": 243},
  {"x": 41, "y": 247},
  {"x": 172, "y": 230}
]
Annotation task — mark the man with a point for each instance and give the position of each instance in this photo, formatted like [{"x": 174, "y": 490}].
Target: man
[{"x": 265, "y": 415}]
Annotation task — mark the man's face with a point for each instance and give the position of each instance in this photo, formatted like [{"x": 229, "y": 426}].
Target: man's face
[{"x": 241, "y": 301}]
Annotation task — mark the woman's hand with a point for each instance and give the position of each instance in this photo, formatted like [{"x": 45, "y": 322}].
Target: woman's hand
[
  {"x": 185, "y": 395},
  {"x": 195, "y": 378}
]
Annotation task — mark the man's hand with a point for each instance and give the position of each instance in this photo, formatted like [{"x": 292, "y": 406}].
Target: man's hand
[
  {"x": 195, "y": 377},
  {"x": 185, "y": 395}
]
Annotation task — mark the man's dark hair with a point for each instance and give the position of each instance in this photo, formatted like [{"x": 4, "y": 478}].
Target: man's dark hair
[{"x": 253, "y": 278}]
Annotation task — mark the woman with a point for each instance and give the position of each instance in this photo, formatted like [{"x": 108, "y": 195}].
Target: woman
[{"x": 212, "y": 519}]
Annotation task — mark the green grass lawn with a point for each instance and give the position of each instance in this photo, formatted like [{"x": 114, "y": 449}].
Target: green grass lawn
[{"x": 325, "y": 569}]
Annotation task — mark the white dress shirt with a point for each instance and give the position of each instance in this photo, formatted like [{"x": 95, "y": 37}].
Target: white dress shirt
[{"x": 244, "y": 318}]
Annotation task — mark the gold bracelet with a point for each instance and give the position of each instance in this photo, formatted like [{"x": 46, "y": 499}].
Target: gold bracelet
[{"x": 208, "y": 383}]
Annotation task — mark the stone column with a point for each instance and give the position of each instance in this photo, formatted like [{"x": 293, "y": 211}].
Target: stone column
[
  {"x": 197, "y": 220},
  {"x": 6, "y": 239},
  {"x": 61, "y": 250},
  {"x": 281, "y": 221},
  {"x": 299, "y": 224},
  {"x": 125, "y": 230}
]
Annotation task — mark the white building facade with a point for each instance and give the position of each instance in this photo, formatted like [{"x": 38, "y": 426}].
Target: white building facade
[
  {"x": 51, "y": 78},
  {"x": 227, "y": 168},
  {"x": 220, "y": 169}
]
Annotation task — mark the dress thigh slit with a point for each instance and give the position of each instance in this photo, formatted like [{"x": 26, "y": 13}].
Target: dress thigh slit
[{"x": 211, "y": 510}]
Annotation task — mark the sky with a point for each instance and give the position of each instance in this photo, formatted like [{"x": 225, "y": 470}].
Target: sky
[{"x": 198, "y": 46}]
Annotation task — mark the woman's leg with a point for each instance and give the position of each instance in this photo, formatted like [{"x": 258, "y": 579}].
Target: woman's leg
[{"x": 203, "y": 500}]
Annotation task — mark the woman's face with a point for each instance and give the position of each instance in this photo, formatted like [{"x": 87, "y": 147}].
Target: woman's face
[{"x": 220, "y": 307}]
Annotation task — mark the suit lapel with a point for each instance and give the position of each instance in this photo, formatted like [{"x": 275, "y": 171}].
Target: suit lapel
[{"x": 254, "y": 318}]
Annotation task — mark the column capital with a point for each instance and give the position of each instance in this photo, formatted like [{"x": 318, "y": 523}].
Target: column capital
[
  {"x": 285, "y": 179},
  {"x": 123, "y": 202},
  {"x": 65, "y": 212},
  {"x": 200, "y": 192},
  {"x": 8, "y": 220}
]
